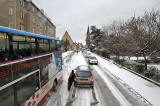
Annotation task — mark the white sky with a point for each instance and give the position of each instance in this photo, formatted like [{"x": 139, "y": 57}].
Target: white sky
[{"x": 75, "y": 15}]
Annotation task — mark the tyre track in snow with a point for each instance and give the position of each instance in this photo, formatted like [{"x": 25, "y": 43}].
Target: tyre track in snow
[
  {"x": 134, "y": 98},
  {"x": 104, "y": 94},
  {"x": 127, "y": 94},
  {"x": 83, "y": 96},
  {"x": 114, "y": 90}
]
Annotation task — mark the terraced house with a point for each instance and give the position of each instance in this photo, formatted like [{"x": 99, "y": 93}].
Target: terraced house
[{"x": 25, "y": 15}]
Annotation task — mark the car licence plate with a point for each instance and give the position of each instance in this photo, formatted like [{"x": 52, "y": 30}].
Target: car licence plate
[{"x": 83, "y": 80}]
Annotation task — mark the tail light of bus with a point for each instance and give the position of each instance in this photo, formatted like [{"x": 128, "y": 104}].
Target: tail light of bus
[{"x": 92, "y": 79}]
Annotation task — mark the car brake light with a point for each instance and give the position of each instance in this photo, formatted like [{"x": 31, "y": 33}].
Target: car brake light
[
  {"x": 92, "y": 79},
  {"x": 75, "y": 78}
]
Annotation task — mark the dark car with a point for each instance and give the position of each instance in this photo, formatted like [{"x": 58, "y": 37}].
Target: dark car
[
  {"x": 92, "y": 60},
  {"x": 83, "y": 77}
]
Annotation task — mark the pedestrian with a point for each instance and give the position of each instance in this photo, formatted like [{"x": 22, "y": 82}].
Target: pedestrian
[{"x": 71, "y": 79}]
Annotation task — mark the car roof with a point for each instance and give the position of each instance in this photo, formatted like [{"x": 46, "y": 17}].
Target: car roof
[{"x": 84, "y": 68}]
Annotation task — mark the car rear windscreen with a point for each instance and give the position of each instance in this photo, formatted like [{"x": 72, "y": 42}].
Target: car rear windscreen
[
  {"x": 84, "y": 68},
  {"x": 92, "y": 57},
  {"x": 84, "y": 74}
]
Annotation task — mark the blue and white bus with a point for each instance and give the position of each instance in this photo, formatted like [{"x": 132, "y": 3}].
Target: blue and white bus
[{"x": 30, "y": 67}]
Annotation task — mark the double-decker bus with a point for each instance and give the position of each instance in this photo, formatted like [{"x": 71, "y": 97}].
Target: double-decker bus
[{"x": 30, "y": 67}]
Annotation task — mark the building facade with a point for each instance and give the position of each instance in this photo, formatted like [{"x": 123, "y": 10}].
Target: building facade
[
  {"x": 67, "y": 42},
  {"x": 25, "y": 15}
]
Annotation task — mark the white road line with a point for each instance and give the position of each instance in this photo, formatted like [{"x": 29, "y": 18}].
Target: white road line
[{"x": 123, "y": 101}]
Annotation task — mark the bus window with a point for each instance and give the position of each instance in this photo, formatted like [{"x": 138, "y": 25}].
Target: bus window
[
  {"x": 46, "y": 42},
  {"x": 40, "y": 40},
  {"x": 23, "y": 68},
  {"x": 30, "y": 39},
  {"x": 33, "y": 49},
  {"x": 58, "y": 45},
  {"x": 21, "y": 50},
  {"x": 18, "y": 38},
  {"x": 4, "y": 48},
  {"x": 26, "y": 87},
  {"x": 43, "y": 46},
  {"x": 52, "y": 46},
  {"x": 5, "y": 75},
  {"x": 15, "y": 50},
  {"x": 32, "y": 45},
  {"x": 7, "y": 97},
  {"x": 24, "y": 49},
  {"x": 44, "y": 69}
]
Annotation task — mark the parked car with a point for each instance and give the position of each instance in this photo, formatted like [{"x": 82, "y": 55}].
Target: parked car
[
  {"x": 83, "y": 76},
  {"x": 92, "y": 60}
]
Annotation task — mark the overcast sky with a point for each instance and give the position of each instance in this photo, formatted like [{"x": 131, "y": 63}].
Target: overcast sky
[{"x": 75, "y": 15}]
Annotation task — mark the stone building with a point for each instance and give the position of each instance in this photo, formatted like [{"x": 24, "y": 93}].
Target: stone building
[
  {"x": 25, "y": 15},
  {"x": 67, "y": 42}
]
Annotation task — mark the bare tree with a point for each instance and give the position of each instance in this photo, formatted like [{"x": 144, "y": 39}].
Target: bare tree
[{"x": 139, "y": 36}]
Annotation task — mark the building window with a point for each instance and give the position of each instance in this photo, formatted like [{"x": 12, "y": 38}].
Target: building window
[
  {"x": 33, "y": 30},
  {"x": 22, "y": 14},
  {"x": 22, "y": 3},
  {"x": 33, "y": 20},
  {"x": 40, "y": 25},
  {"x": 21, "y": 26},
  {"x": 33, "y": 9},
  {"x": 11, "y": 25},
  {"x": 45, "y": 28},
  {"x": 10, "y": 11}
]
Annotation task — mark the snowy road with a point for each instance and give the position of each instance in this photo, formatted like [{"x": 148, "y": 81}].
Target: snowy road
[{"x": 109, "y": 90}]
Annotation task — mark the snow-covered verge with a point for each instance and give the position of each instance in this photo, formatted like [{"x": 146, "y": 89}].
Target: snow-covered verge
[{"x": 148, "y": 90}]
